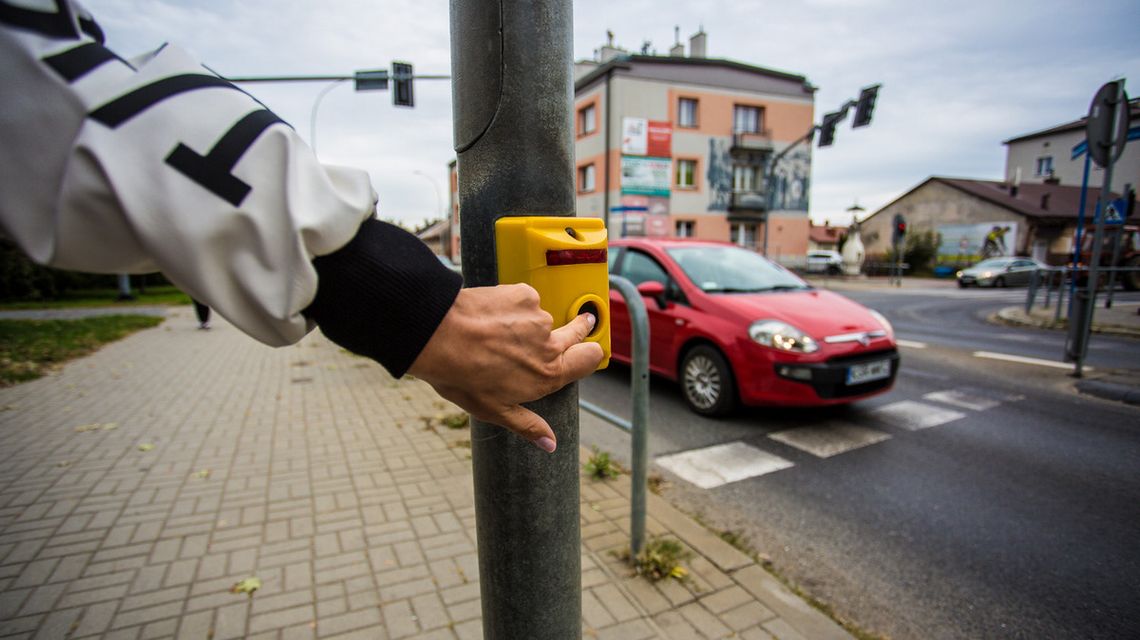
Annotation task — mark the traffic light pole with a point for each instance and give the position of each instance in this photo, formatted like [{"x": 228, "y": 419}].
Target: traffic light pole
[
  {"x": 512, "y": 94},
  {"x": 770, "y": 174}
]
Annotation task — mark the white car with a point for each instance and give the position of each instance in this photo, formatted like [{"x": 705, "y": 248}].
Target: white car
[{"x": 824, "y": 262}]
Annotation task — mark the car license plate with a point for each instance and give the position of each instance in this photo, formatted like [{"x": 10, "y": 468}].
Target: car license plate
[{"x": 868, "y": 371}]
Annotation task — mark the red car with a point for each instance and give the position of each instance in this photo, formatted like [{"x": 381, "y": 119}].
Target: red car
[{"x": 733, "y": 327}]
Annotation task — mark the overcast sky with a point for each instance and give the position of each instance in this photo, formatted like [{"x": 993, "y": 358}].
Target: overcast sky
[{"x": 958, "y": 77}]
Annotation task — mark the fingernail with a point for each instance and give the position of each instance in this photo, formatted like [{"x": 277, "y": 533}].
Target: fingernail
[
  {"x": 591, "y": 320},
  {"x": 546, "y": 444}
]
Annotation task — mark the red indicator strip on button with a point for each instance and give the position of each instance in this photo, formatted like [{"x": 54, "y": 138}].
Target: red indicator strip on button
[{"x": 559, "y": 257}]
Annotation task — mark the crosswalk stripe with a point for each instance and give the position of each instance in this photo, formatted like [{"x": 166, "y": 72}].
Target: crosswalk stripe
[
  {"x": 971, "y": 398},
  {"x": 721, "y": 464},
  {"x": 911, "y": 415},
  {"x": 912, "y": 344},
  {"x": 829, "y": 439}
]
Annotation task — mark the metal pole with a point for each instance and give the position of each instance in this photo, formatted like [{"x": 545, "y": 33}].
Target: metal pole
[
  {"x": 1098, "y": 236},
  {"x": 512, "y": 95},
  {"x": 639, "y": 378}
]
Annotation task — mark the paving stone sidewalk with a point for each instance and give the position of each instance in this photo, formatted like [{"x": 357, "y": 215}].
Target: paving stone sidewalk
[{"x": 139, "y": 484}]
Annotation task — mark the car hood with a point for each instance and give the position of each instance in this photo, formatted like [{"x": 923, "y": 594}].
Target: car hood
[{"x": 817, "y": 312}]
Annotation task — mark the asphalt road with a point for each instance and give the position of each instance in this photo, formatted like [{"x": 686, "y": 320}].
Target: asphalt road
[{"x": 979, "y": 498}]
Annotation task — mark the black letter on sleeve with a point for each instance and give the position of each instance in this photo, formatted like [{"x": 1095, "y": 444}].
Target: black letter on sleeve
[{"x": 214, "y": 170}]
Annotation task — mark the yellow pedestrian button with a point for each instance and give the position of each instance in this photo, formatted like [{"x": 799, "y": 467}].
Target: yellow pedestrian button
[{"x": 565, "y": 260}]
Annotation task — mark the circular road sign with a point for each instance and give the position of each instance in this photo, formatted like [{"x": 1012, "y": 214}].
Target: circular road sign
[{"x": 1107, "y": 134}]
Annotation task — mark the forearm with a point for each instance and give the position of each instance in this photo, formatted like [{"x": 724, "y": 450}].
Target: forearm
[{"x": 382, "y": 295}]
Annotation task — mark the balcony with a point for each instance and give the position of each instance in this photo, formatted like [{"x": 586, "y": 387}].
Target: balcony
[
  {"x": 748, "y": 206},
  {"x": 753, "y": 141}
]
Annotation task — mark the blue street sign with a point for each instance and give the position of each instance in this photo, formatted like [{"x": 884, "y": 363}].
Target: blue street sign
[{"x": 1114, "y": 212}]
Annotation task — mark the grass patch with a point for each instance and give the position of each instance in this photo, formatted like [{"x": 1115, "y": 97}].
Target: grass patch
[
  {"x": 30, "y": 348},
  {"x": 601, "y": 466},
  {"x": 154, "y": 296},
  {"x": 661, "y": 558}
]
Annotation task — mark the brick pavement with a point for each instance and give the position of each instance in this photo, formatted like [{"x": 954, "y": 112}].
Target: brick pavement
[{"x": 314, "y": 471}]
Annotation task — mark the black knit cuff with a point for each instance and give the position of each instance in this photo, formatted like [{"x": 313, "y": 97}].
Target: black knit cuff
[{"x": 382, "y": 295}]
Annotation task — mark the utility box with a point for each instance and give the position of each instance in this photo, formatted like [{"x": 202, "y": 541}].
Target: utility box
[{"x": 565, "y": 260}]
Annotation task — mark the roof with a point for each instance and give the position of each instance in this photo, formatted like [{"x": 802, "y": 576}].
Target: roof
[
  {"x": 626, "y": 62},
  {"x": 1134, "y": 108},
  {"x": 1042, "y": 202},
  {"x": 825, "y": 234}
]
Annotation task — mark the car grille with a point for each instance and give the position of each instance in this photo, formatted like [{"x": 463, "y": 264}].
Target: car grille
[{"x": 830, "y": 378}]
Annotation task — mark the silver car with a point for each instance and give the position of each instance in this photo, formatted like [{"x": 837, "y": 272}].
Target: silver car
[{"x": 999, "y": 272}]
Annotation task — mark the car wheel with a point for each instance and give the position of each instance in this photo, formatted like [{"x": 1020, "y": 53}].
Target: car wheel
[
  {"x": 999, "y": 282},
  {"x": 961, "y": 285},
  {"x": 707, "y": 382}
]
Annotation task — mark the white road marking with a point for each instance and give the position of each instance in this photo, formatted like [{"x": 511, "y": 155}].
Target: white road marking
[
  {"x": 829, "y": 439},
  {"x": 1023, "y": 360},
  {"x": 723, "y": 463},
  {"x": 911, "y": 344},
  {"x": 971, "y": 398},
  {"x": 913, "y": 416}
]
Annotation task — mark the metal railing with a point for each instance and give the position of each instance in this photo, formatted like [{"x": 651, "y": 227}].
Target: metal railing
[
  {"x": 639, "y": 425},
  {"x": 1056, "y": 280}
]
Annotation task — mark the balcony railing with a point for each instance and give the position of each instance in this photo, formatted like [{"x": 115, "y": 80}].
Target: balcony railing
[
  {"x": 751, "y": 200},
  {"x": 753, "y": 141}
]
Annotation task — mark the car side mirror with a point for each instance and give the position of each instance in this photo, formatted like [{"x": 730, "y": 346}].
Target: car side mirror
[{"x": 653, "y": 289}]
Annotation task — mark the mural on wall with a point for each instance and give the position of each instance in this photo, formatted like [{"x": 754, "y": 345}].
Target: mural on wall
[
  {"x": 969, "y": 243},
  {"x": 791, "y": 181},
  {"x": 719, "y": 174}
]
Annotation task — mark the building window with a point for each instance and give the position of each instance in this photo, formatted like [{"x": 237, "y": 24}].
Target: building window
[
  {"x": 744, "y": 235},
  {"x": 1045, "y": 166},
  {"x": 586, "y": 178},
  {"x": 745, "y": 178},
  {"x": 684, "y": 228},
  {"x": 587, "y": 122},
  {"x": 686, "y": 174},
  {"x": 746, "y": 119},
  {"x": 687, "y": 113}
]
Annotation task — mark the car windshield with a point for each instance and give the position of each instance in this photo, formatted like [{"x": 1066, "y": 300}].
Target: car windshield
[
  {"x": 993, "y": 263},
  {"x": 717, "y": 269}
]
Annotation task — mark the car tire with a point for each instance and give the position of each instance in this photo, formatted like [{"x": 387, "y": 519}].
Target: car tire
[
  {"x": 999, "y": 282},
  {"x": 707, "y": 383},
  {"x": 961, "y": 285}
]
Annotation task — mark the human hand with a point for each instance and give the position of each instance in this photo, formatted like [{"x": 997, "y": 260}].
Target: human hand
[{"x": 495, "y": 350}]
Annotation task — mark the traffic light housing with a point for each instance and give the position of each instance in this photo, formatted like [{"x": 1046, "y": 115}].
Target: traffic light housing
[
  {"x": 827, "y": 128},
  {"x": 865, "y": 106},
  {"x": 899, "y": 230},
  {"x": 402, "y": 84}
]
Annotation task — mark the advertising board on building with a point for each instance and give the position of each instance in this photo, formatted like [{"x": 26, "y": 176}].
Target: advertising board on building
[
  {"x": 969, "y": 243},
  {"x": 645, "y": 176},
  {"x": 644, "y": 137}
]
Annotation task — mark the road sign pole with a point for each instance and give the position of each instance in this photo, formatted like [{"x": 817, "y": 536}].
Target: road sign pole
[
  {"x": 1112, "y": 97},
  {"x": 512, "y": 98}
]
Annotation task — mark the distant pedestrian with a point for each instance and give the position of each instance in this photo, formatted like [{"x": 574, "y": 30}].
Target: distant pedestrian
[{"x": 203, "y": 313}]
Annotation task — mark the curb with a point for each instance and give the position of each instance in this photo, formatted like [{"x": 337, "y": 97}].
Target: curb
[
  {"x": 1110, "y": 391},
  {"x": 1016, "y": 316}
]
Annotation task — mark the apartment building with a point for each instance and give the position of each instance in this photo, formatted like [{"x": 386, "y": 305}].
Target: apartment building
[{"x": 682, "y": 146}]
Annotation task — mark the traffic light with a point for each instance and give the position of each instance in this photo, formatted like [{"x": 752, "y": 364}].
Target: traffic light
[
  {"x": 865, "y": 106},
  {"x": 899, "y": 231},
  {"x": 827, "y": 128},
  {"x": 402, "y": 84}
]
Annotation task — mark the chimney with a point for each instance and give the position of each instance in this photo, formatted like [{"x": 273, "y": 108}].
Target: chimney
[
  {"x": 697, "y": 44},
  {"x": 678, "y": 49},
  {"x": 1045, "y": 201},
  {"x": 1016, "y": 182}
]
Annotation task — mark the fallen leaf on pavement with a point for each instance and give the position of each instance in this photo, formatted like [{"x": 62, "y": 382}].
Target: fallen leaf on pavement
[
  {"x": 146, "y": 447},
  {"x": 249, "y": 585}
]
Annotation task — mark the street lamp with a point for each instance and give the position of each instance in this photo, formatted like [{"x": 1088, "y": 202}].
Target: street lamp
[{"x": 313, "y": 114}]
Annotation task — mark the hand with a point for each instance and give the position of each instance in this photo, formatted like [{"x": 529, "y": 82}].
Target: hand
[{"x": 495, "y": 350}]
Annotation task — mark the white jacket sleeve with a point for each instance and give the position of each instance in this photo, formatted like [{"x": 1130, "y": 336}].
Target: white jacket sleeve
[{"x": 111, "y": 166}]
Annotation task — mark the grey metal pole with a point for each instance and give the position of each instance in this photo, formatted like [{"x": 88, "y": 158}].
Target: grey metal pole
[
  {"x": 512, "y": 95},
  {"x": 639, "y": 431}
]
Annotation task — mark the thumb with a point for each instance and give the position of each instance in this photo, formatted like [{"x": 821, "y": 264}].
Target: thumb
[{"x": 529, "y": 426}]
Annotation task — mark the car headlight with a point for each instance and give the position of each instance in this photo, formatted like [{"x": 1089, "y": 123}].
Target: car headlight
[
  {"x": 781, "y": 335},
  {"x": 883, "y": 321},
  {"x": 958, "y": 275},
  {"x": 986, "y": 274}
]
